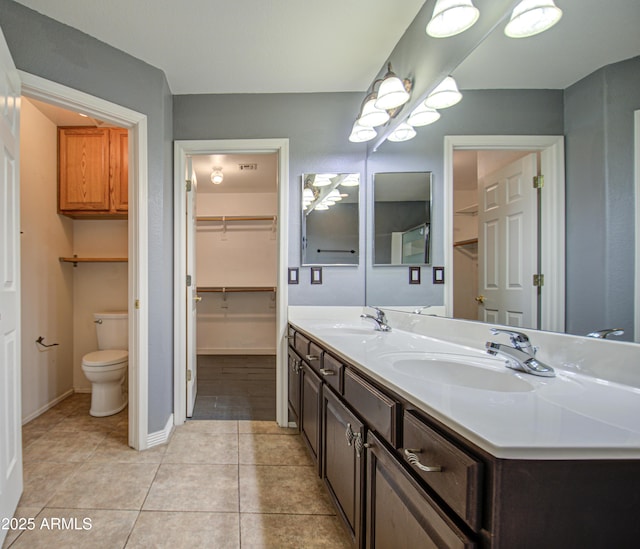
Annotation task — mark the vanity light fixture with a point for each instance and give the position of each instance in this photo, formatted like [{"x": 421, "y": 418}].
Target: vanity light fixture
[
  {"x": 361, "y": 134},
  {"x": 216, "y": 176},
  {"x": 446, "y": 94},
  {"x": 423, "y": 116},
  {"x": 371, "y": 115},
  {"x": 323, "y": 179},
  {"x": 531, "y": 17},
  {"x": 403, "y": 132},
  {"x": 451, "y": 17},
  {"x": 392, "y": 92}
]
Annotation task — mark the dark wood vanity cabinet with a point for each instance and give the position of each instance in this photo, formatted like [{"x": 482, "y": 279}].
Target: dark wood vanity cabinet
[
  {"x": 293, "y": 376},
  {"x": 343, "y": 439},
  {"x": 401, "y": 479}
]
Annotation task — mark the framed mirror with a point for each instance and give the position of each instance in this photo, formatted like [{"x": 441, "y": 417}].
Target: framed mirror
[
  {"x": 330, "y": 219},
  {"x": 402, "y": 218}
]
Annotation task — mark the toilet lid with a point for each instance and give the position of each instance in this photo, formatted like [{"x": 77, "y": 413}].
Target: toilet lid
[{"x": 105, "y": 358}]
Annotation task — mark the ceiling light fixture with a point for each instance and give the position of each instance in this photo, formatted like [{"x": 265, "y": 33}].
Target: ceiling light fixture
[
  {"x": 216, "y": 176},
  {"x": 423, "y": 116},
  {"x": 531, "y": 17},
  {"x": 403, "y": 132},
  {"x": 446, "y": 94},
  {"x": 372, "y": 116},
  {"x": 392, "y": 92},
  {"x": 451, "y": 17}
]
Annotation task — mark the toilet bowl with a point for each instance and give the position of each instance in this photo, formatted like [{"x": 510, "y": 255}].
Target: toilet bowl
[{"x": 106, "y": 368}]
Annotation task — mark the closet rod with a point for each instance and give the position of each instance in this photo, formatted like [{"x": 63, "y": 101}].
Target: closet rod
[
  {"x": 225, "y": 289},
  {"x": 236, "y": 218}
]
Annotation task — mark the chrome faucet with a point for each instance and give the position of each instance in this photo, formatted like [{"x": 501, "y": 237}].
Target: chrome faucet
[
  {"x": 520, "y": 355},
  {"x": 604, "y": 334},
  {"x": 380, "y": 319}
]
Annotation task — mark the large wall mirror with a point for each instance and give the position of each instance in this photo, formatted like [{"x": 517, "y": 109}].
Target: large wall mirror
[
  {"x": 402, "y": 218},
  {"x": 330, "y": 219}
]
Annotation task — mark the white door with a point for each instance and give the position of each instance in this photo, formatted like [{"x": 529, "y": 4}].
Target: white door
[
  {"x": 10, "y": 406},
  {"x": 508, "y": 245},
  {"x": 192, "y": 290}
]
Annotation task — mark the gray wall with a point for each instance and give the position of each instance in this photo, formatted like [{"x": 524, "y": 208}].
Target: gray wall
[
  {"x": 481, "y": 112},
  {"x": 600, "y": 198},
  {"x": 41, "y": 46},
  {"x": 318, "y": 127}
]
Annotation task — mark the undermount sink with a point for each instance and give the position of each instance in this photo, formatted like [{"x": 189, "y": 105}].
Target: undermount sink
[{"x": 466, "y": 371}]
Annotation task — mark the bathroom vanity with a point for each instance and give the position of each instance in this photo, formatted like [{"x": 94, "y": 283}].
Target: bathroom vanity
[{"x": 426, "y": 443}]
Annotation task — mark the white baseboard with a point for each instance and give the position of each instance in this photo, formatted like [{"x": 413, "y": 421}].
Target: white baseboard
[
  {"x": 46, "y": 407},
  {"x": 160, "y": 437},
  {"x": 236, "y": 351}
]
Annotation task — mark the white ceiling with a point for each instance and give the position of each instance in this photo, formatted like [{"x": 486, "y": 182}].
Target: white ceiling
[{"x": 259, "y": 46}]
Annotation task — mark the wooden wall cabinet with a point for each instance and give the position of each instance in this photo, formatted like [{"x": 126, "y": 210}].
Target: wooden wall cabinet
[{"x": 93, "y": 172}]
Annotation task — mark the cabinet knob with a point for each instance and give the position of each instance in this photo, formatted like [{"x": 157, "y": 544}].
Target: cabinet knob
[{"x": 412, "y": 458}]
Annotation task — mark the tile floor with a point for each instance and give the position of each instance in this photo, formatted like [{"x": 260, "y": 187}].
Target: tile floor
[
  {"x": 215, "y": 484},
  {"x": 236, "y": 387}
]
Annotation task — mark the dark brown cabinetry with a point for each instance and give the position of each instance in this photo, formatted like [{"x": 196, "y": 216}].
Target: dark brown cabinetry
[
  {"x": 93, "y": 180},
  {"x": 293, "y": 371},
  {"x": 342, "y": 460},
  {"x": 417, "y": 483}
]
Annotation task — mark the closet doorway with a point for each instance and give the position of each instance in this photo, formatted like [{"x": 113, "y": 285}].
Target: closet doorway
[
  {"x": 235, "y": 274},
  {"x": 236, "y": 205}
]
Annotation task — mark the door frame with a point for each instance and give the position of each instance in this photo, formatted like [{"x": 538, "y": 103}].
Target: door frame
[
  {"x": 552, "y": 230},
  {"x": 53, "y": 93},
  {"x": 182, "y": 149}
]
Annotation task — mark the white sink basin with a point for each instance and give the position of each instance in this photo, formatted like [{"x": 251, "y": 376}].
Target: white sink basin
[{"x": 473, "y": 372}]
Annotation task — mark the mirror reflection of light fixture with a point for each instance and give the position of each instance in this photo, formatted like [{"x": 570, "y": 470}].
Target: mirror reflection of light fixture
[
  {"x": 216, "y": 176},
  {"x": 532, "y": 17},
  {"x": 323, "y": 179},
  {"x": 392, "y": 92},
  {"x": 446, "y": 94},
  {"x": 451, "y": 17},
  {"x": 423, "y": 116},
  {"x": 403, "y": 132},
  {"x": 352, "y": 180}
]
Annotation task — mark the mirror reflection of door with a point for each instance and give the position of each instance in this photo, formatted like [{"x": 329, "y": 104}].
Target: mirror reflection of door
[{"x": 495, "y": 237}]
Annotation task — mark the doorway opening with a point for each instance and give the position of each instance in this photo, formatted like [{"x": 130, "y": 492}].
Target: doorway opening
[
  {"x": 186, "y": 293},
  {"x": 550, "y": 226},
  {"x": 74, "y": 253},
  {"x": 236, "y": 205},
  {"x": 51, "y": 93}
]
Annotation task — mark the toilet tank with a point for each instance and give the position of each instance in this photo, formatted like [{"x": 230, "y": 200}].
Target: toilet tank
[{"x": 112, "y": 330}]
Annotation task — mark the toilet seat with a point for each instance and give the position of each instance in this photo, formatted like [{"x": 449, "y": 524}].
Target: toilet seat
[{"x": 105, "y": 358}]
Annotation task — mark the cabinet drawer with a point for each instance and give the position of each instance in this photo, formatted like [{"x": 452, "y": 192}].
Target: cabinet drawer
[
  {"x": 458, "y": 483},
  {"x": 331, "y": 372},
  {"x": 379, "y": 410},
  {"x": 301, "y": 344}
]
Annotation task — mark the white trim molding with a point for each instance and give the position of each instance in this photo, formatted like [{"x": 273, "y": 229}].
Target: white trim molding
[
  {"x": 183, "y": 149},
  {"x": 160, "y": 437},
  {"x": 636, "y": 168},
  {"x": 552, "y": 230},
  {"x": 62, "y": 96}
]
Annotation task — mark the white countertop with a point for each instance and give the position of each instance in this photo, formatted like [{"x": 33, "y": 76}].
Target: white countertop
[{"x": 570, "y": 416}]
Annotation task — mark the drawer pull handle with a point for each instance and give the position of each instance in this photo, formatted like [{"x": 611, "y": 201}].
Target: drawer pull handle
[
  {"x": 311, "y": 358},
  {"x": 415, "y": 460},
  {"x": 290, "y": 337},
  {"x": 295, "y": 366},
  {"x": 326, "y": 372},
  {"x": 349, "y": 434}
]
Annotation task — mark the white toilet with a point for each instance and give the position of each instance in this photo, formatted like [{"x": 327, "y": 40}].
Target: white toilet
[{"x": 106, "y": 368}]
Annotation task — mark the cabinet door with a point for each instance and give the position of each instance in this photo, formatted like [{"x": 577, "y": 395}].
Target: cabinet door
[
  {"x": 119, "y": 153},
  {"x": 310, "y": 410},
  {"x": 83, "y": 169},
  {"x": 342, "y": 460},
  {"x": 398, "y": 512},
  {"x": 294, "y": 386}
]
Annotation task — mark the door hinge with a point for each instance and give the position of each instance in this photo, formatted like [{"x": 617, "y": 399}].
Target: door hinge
[
  {"x": 188, "y": 185},
  {"x": 137, "y": 304},
  {"x": 538, "y": 280},
  {"x": 538, "y": 181},
  {"x": 188, "y": 375},
  {"x": 188, "y": 280}
]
